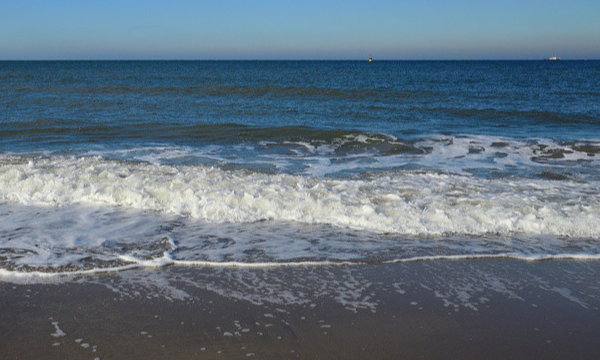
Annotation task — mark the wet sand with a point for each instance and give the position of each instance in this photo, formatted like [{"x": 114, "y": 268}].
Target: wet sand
[{"x": 492, "y": 309}]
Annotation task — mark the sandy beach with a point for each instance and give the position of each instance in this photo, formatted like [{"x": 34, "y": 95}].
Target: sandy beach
[{"x": 493, "y": 309}]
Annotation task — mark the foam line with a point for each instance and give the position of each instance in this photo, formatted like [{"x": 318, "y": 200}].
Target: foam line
[
  {"x": 541, "y": 257},
  {"x": 167, "y": 261}
]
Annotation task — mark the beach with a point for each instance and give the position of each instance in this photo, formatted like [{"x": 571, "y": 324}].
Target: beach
[
  {"x": 492, "y": 309},
  {"x": 299, "y": 209}
]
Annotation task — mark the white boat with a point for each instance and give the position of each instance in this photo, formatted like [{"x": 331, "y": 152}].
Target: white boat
[{"x": 553, "y": 58}]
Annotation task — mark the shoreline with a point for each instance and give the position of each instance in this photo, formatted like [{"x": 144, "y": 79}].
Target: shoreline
[{"x": 469, "y": 309}]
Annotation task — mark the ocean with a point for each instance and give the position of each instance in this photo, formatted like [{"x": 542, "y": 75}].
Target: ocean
[{"x": 108, "y": 166}]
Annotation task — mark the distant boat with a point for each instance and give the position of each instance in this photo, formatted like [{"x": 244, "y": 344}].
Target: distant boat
[
  {"x": 553, "y": 58},
  {"x": 370, "y": 59}
]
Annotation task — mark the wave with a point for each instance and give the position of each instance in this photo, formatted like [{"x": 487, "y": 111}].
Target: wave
[
  {"x": 305, "y": 144},
  {"x": 397, "y": 202},
  {"x": 208, "y": 133},
  {"x": 127, "y": 262}
]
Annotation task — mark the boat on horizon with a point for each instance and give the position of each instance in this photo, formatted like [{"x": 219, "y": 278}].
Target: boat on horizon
[{"x": 553, "y": 58}]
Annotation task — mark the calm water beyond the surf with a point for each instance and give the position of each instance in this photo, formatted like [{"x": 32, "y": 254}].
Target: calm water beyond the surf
[{"x": 115, "y": 165}]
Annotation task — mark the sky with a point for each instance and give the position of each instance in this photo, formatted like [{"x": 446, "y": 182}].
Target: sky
[{"x": 307, "y": 29}]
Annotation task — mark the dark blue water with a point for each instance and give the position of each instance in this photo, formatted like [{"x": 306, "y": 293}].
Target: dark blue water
[
  {"x": 485, "y": 157},
  {"x": 82, "y": 102}
]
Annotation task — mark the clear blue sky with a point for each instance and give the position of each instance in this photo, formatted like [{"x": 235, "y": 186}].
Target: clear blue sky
[{"x": 307, "y": 29}]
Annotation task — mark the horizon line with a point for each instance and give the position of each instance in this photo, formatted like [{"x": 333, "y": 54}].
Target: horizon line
[{"x": 307, "y": 59}]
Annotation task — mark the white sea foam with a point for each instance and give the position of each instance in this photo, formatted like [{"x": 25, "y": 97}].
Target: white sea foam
[
  {"x": 459, "y": 154},
  {"x": 84, "y": 215},
  {"x": 166, "y": 261},
  {"x": 401, "y": 202},
  {"x": 377, "y": 152},
  {"x": 58, "y": 332}
]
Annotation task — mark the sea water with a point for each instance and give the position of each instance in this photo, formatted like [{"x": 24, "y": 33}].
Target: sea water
[{"x": 108, "y": 166}]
